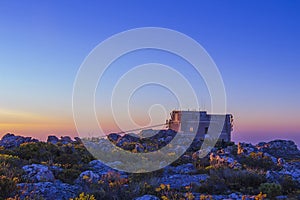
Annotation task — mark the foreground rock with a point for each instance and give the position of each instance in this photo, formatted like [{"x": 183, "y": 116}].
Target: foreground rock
[
  {"x": 48, "y": 190},
  {"x": 179, "y": 181},
  {"x": 147, "y": 197},
  {"x": 38, "y": 173},
  {"x": 100, "y": 168}
]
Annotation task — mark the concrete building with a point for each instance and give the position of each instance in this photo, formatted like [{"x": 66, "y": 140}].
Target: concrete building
[{"x": 198, "y": 122}]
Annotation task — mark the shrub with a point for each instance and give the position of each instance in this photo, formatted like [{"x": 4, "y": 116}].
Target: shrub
[
  {"x": 111, "y": 186},
  {"x": 10, "y": 166},
  {"x": 222, "y": 179},
  {"x": 83, "y": 196},
  {"x": 257, "y": 161},
  {"x": 8, "y": 187},
  {"x": 37, "y": 152},
  {"x": 271, "y": 189},
  {"x": 288, "y": 185},
  {"x": 68, "y": 175},
  {"x": 165, "y": 192}
]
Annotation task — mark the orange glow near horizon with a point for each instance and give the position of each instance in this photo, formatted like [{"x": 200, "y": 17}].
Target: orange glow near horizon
[{"x": 40, "y": 126}]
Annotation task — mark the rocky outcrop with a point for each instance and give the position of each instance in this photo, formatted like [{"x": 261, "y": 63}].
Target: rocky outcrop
[
  {"x": 87, "y": 177},
  {"x": 218, "y": 160},
  {"x": 100, "y": 168},
  {"x": 181, "y": 169},
  {"x": 9, "y": 140},
  {"x": 147, "y": 197},
  {"x": 38, "y": 173},
  {"x": 64, "y": 139},
  {"x": 48, "y": 190},
  {"x": 280, "y": 149},
  {"x": 52, "y": 139},
  {"x": 292, "y": 170},
  {"x": 179, "y": 181}
]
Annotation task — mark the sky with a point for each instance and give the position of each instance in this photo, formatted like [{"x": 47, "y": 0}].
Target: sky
[{"x": 255, "y": 45}]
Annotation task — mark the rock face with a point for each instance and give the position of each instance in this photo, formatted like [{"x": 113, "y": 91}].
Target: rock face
[
  {"x": 66, "y": 140},
  {"x": 224, "y": 160},
  {"x": 87, "y": 177},
  {"x": 280, "y": 149},
  {"x": 9, "y": 141},
  {"x": 52, "y": 139},
  {"x": 149, "y": 140},
  {"x": 48, "y": 190},
  {"x": 38, "y": 173},
  {"x": 178, "y": 181},
  {"x": 99, "y": 168},
  {"x": 147, "y": 197},
  {"x": 114, "y": 137},
  {"x": 292, "y": 170},
  {"x": 181, "y": 169}
]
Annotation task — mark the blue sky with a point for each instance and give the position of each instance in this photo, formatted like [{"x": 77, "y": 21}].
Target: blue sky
[{"x": 255, "y": 45}]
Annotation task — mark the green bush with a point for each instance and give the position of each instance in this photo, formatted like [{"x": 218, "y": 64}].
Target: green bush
[
  {"x": 83, "y": 196},
  {"x": 8, "y": 187},
  {"x": 271, "y": 189},
  {"x": 37, "y": 152},
  {"x": 288, "y": 185},
  {"x": 222, "y": 179},
  {"x": 68, "y": 175},
  {"x": 11, "y": 166},
  {"x": 257, "y": 161}
]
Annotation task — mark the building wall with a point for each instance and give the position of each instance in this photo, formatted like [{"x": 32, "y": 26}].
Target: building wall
[{"x": 198, "y": 122}]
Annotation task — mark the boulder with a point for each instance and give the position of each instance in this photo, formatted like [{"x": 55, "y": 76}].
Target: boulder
[
  {"x": 52, "y": 139},
  {"x": 280, "y": 149},
  {"x": 9, "y": 140},
  {"x": 38, "y": 173},
  {"x": 100, "y": 168},
  {"x": 147, "y": 197},
  {"x": 78, "y": 140},
  {"x": 87, "y": 177},
  {"x": 181, "y": 169},
  {"x": 178, "y": 181},
  {"x": 114, "y": 137},
  {"x": 48, "y": 190},
  {"x": 65, "y": 140}
]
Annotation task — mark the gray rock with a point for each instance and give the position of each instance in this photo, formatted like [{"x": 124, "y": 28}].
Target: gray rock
[
  {"x": 65, "y": 140},
  {"x": 147, "y": 197},
  {"x": 178, "y": 181},
  {"x": 52, "y": 139},
  {"x": 100, "y": 168},
  {"x": 233, "y": 196},
  {"x": 38, "y": 173},
  {"x": 181, "y": 169},
  {"x": 9, "y": 141},
  {"x": 114, "y": 137},
  {"x": 87, "y": 177},
  {"x": 274, "y": 160},
  {"x": 48, "y": 190},
  {"x": 77, "y": 139},
  {"x": 280, "y": 149},
  {"x": 281, "y": 197}
]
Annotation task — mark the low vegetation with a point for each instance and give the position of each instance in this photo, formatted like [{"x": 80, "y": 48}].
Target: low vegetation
[{"x": 68, "y": 161}]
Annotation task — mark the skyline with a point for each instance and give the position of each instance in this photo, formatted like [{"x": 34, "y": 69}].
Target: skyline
[{"x": 255, "y": 45}]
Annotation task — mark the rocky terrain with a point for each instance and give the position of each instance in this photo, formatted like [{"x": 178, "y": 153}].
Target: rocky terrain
[{"x": 62, "y": 168}]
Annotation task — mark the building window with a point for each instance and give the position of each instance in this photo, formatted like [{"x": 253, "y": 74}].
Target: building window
[{"x": 206, "y": 130}]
